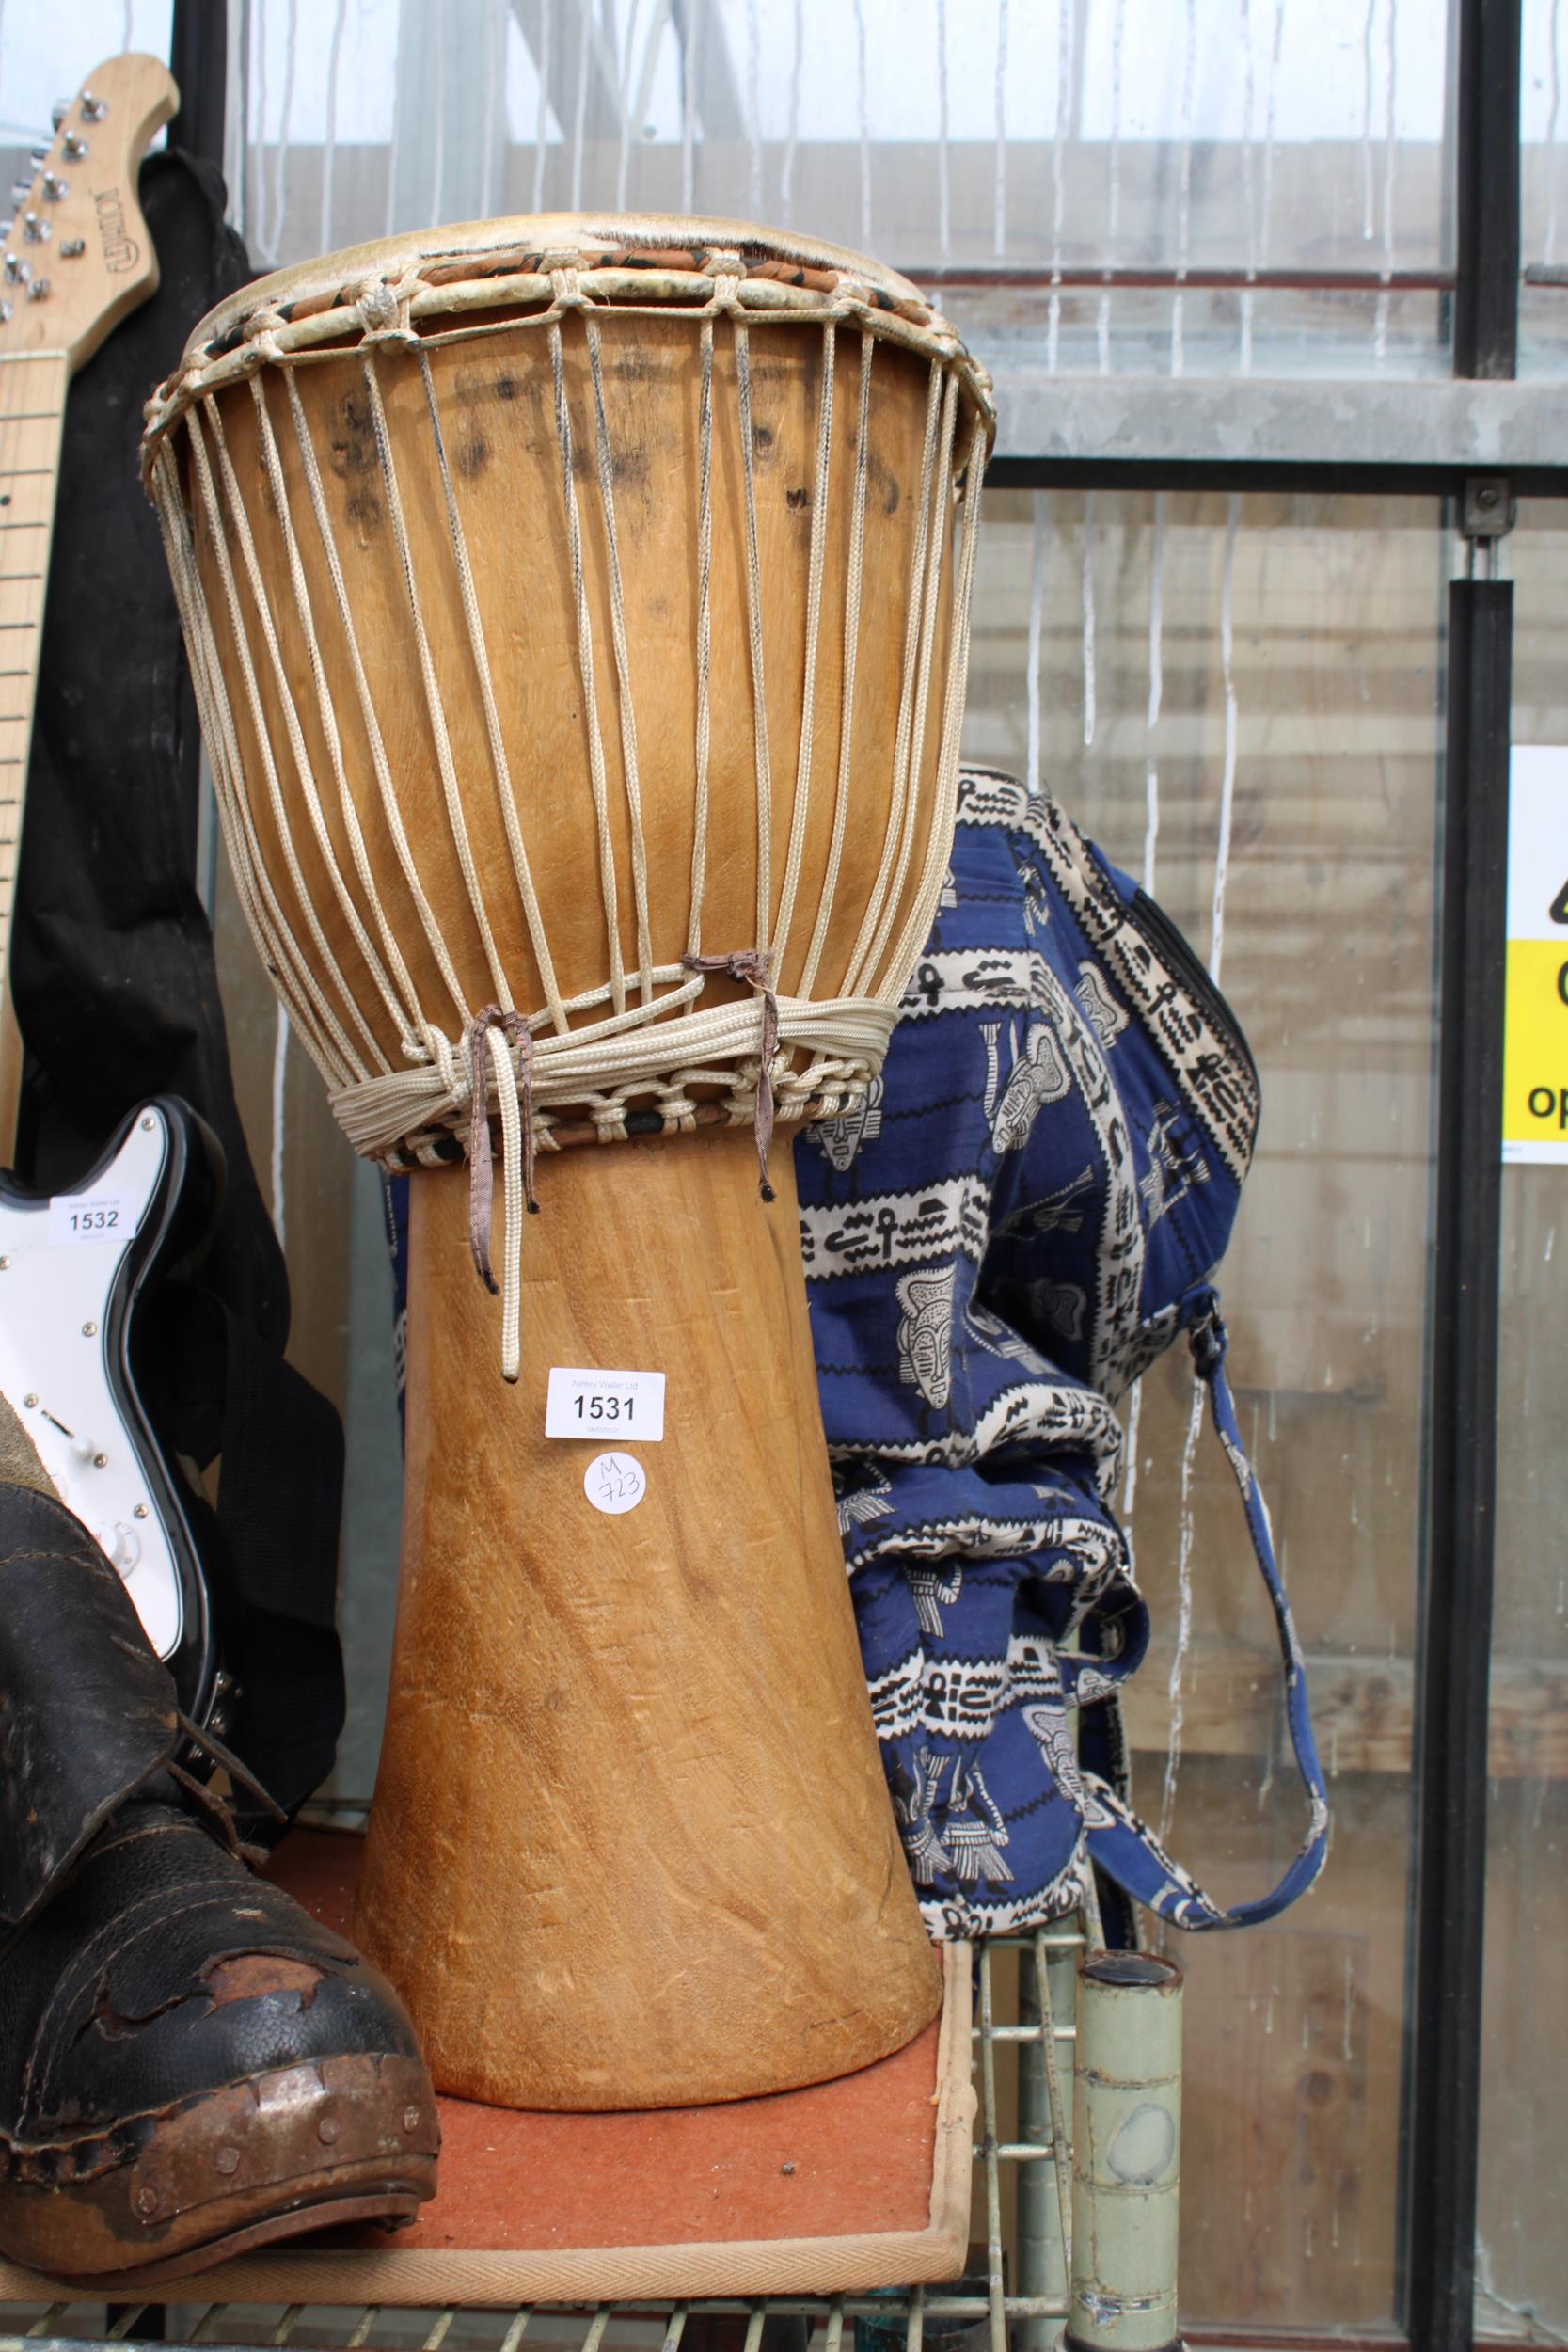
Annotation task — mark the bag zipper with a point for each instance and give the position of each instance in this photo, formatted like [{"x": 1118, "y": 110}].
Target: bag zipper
[{"x": 1163, "y": 936}]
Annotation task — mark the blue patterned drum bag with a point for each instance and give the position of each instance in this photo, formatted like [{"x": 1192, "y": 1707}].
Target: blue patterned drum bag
[{"x": 1027, "y": 1212}]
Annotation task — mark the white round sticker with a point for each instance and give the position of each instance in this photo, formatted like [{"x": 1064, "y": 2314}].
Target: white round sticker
[{"x": 614, "y": 1483}]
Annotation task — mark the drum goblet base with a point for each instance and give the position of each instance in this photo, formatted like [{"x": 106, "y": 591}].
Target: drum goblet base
[{"x": 631, "y": 1844}]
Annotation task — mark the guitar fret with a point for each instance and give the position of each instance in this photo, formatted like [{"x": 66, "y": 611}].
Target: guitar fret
[{"x": 30, "y": 436}]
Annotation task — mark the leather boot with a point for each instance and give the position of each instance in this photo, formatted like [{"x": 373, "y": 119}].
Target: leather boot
[{"x": 189, "y": 2065}]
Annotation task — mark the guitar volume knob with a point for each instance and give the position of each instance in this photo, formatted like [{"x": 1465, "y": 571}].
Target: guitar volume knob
[{"x": 123, "y": 1548}]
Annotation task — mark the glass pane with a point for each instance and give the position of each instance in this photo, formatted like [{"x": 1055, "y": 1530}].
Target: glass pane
[
  {"x": 1522, "y": 2260},
  {"x": 1155, "y": 659},
  {"x": 1267, "y": 185},
  {"x": 47, "y": 55},
  {"x": 1544, "y": 191}
]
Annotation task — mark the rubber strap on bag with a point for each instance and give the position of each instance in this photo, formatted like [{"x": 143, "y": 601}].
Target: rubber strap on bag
[{"x": 1124, "y": 1847}]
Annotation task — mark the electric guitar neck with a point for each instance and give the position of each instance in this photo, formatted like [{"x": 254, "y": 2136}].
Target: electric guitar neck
[{"x": 75, "y": 259}]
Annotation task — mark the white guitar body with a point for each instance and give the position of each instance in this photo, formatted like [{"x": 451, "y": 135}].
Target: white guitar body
[{"x": 74, "y": 1268}]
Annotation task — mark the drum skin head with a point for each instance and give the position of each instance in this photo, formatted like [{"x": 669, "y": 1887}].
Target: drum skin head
[{"x": 592, "y": 237}]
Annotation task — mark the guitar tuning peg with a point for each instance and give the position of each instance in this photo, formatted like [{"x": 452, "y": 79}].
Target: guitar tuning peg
[
  {"x": 20, "y": 191},
  {"x": 38, "y": 157},
  {"x": 55, "y": 187},
  {"x": 5, "y": 227},
  {"x": 34, "y": 228},
  {"x": 73, "y": 146},
  {"x": 59, "y": 111},
  {"x": 93, "y": 109},
  {"x": 39, "y": 290},
  {"x": 15, "y": 273},
  {"x": 5, "y": 313}
]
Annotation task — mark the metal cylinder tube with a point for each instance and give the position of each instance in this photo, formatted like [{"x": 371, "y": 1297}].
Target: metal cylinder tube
[{"x": 1127, "y": 2153}]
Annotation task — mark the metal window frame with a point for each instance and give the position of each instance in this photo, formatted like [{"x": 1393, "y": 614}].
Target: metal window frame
[{"x": 1428, "y": 439}]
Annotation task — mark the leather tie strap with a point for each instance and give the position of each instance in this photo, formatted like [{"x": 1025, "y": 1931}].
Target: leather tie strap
[{"x": 753, "y": 965}]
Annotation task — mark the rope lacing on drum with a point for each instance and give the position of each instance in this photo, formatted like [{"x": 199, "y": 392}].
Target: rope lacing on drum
[
  {"x": 490, "y": 1031},
  {"x": 754, "y": 966}
]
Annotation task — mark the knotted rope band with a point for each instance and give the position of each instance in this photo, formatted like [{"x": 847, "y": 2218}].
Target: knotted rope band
[
  {"x": 753, "y": 964},
  {"x": 493, "y": 1019},
  {"x": 501, "y": 1050}
]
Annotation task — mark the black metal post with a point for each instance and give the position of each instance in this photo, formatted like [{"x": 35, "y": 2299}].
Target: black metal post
[
  {"x": 1453, "y": 1654},
  {"x": 1487, "y": 290},
  {"x": 198, "y": 60}
]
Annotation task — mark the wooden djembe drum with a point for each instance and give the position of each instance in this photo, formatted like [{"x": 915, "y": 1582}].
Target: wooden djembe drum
[{"x": 577, "y": 610}]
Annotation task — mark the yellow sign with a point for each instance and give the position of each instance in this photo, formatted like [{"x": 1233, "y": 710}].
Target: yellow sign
[{"x": 1535, "y": 1044}]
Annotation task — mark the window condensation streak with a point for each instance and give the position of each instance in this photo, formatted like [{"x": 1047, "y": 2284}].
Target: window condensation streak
[
  {"x": 754, "y": 104},
  {"x": 691, "y": 24},
  {"x": 273, "y": 240},
  {"x": 863, "y": 98},
  {"x": 579, "y": 118},
  {"x": 1058, "y": 180},
  {"x": 1249, "y": 206},
  {"x": 1265, "y": 222},
  {"x": 1369, "y": 221},
  {"x": 786, "y": 179},
  {"x": 395, "y": 140},
  {"x": 627, "y": 99},
  {"x": 1553, "y": 112},
  {"x": 1037, "y": 620},
  {"x": 1000, "y": 220},
  {"x": 944, "y": 222},
  {"x": 542, "y": 117},
  {"x": 1087, "y": 591},
  {"x": 255, "y": 215},
  {"x": 1174, "y": 1691},
  {"x": 495, "y": 83},
  {"x": 329, "y": 141},
  {"x": 1380, "y": 332},
  {"x": 438, "y": 144},
  {"x": 1112, "y": 199},
  {"x": 1227, "y": 779},
  {"x": 234, "y": 128},
  {"x": 1184, "y": 198},
  {"x": 1156, "y": 688}
]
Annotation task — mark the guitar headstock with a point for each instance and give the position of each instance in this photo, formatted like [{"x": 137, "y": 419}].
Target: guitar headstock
[{"x": 77, "y": 256}]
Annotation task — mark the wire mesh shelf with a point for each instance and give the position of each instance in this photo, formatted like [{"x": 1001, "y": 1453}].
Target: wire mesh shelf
[{"x": 1018, "y": 2297}]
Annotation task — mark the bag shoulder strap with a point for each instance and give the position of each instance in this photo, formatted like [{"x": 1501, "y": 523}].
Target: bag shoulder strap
[{"x": 1126, "y": 1847}]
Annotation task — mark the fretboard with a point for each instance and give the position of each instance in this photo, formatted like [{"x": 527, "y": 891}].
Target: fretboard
[{"x": 32, "y": 405}]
